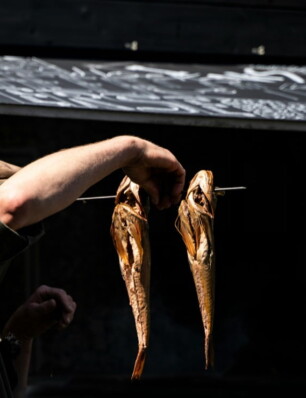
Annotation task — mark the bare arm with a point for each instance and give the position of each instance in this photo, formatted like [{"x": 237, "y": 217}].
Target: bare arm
[{"x": 52, "y": 183}]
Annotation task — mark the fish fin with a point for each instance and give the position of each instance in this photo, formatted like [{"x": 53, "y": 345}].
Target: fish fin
[
  {"x": 188, "y": 239},
  {"x": 184, "y": 228},
  {"x": 139, "y": 364}
]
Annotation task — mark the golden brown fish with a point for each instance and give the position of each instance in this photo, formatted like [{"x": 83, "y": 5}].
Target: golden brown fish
[
  {"x": 195, "y": 223},
  {"x": 130, "y": 233}
]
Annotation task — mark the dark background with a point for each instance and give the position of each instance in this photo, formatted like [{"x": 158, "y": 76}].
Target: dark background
[
  {"x": 259, "y": 233},
  {"x": 260, "y": 274},
  {"x": 176, "y": 30}
]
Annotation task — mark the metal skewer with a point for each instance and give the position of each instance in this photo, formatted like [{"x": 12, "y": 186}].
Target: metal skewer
[
  {"x": 97, "y": 197},
  {"x": 217, "y": 189},
  {"x": 228, "y": 188}
]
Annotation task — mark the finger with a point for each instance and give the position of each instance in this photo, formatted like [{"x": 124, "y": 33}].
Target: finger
[
  {"x": 47, "y": 307},
  {"x": 65, "y": 320},
  {"x": 66, "y": 317},
  {"x": 178, "y": 183},
  {"x": 67, "y": 304},
  {"x": 46, "y": 312},
  {"x": 153, "y": 191},
  {"x": 63, "y": 300},
  {"x": 63, "y": 324},
  {"x": 170, "y": 188},
  {"x": 164, "y": 202}
]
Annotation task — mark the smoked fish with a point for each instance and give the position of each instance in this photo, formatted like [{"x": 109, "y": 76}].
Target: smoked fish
[
  {"x": 195, "y": 223},
  {"x": 130, "y": 234}
]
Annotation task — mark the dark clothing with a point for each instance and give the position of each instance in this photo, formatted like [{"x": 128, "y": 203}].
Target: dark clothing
[
  {"x": 11, "y": 244},
  {"x": 5, "y": 386},
  {"x": 8, "y": 375}
]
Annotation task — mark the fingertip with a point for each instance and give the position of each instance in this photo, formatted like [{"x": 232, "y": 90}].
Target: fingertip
[
  {"x": 61, "y": 325},
  {"x": 49, "y": 305},
  {"x": 64, "y": 322},
  {"x": 165, "y": 203},
  {"x": 155, "y": 202}
]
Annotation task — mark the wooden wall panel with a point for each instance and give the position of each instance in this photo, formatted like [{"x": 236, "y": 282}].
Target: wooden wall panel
[{"x": 138, "y": 28}]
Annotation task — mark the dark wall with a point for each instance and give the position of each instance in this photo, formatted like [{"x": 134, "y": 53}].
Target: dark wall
[
  {"x": 259, "y": 233},
  {"x": 260, "y": 263},
  {"x": 192, "y": 30}
]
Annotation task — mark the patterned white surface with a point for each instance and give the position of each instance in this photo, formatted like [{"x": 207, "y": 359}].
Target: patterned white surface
[{"x": 274, "y": 92}]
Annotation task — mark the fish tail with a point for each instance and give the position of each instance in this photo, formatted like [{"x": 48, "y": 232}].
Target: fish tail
[
  {"x": 209, "y": 353},
  {"x": 139, "y": 364}
]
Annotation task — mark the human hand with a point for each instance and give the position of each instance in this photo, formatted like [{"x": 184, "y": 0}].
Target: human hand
[
  {"x": 159, "y": 173},
  {"x": 47, "y": 307}
]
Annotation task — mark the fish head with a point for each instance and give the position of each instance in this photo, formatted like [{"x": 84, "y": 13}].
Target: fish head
[
  {"x": 132, "y": 194},
  {"x": 201, "y": 191}
]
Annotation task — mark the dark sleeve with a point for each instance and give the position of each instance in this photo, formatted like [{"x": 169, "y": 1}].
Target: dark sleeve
[
  {"x": 14, "y": 242},
  {"x": 9, "y": 377}
]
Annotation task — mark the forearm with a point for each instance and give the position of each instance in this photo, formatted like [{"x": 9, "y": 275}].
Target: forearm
[
  {"x": 53, "y": 182},
  {"x": 22, "y": 366},
  {"x": 18, "y": 348}
]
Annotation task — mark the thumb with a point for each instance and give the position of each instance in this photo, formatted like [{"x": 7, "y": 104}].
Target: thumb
[
  {"x": 47, "y": 307},
  {"x": 152, "y": 190}
]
